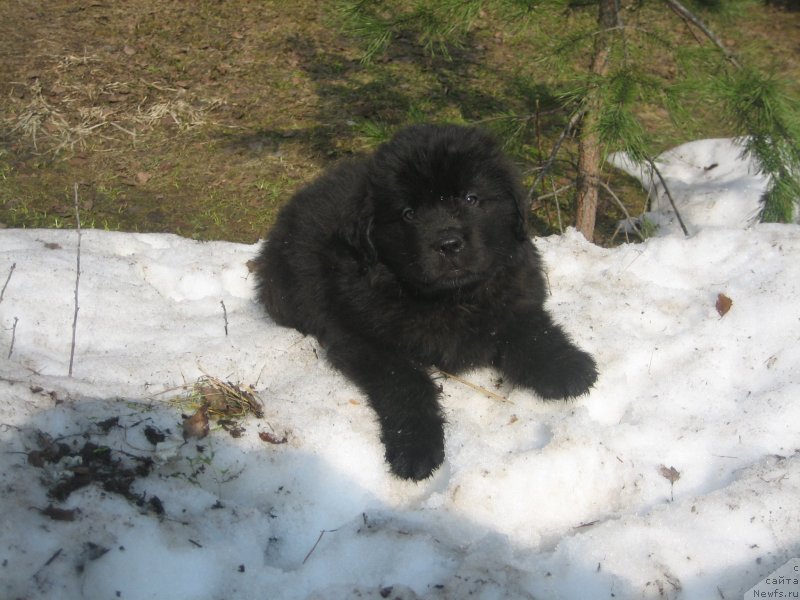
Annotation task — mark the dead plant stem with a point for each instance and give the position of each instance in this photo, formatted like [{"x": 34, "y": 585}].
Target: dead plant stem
[
  {"x": 319, "y": 539},
  {"x": 13, "y": 336},
  {"x": 475, "y": 386},
  {"x": 669, "y": 196},
  {"x": 571, "y": 125},
  {"x": 624, "y": 210},
  {"x": 5, "y": 285},
  {"x": 77, "y": 281},
  {"x": 225, "y": 315}
]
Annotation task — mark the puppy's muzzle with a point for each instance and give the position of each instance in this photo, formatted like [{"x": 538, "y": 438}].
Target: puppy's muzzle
[{"x": 449, "y": 244}]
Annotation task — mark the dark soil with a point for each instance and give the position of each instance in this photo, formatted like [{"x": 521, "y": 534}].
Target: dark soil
[{"x": 88, "y": 463}]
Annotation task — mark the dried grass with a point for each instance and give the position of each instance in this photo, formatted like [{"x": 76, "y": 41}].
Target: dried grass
[
  {"x": 225, "y": 399},
  {"x": 181, "y": 113},
  {"x": 84, "y": 113},
  {"x": 474, "y": 386},
  {"x": 47, "y": 126},
  {"x": 226, "y": 403}
]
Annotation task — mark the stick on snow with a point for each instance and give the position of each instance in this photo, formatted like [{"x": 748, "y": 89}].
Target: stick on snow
[{"x": 77, "y": 282}]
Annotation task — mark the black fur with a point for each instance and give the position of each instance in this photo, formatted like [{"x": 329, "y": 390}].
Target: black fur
[{"x": 418, "y": 256}]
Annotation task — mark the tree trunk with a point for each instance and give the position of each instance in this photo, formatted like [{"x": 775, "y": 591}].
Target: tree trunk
[{"x": 589, "y": 143}]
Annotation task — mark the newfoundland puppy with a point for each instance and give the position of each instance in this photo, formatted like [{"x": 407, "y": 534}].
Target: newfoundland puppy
[{"x": 418, "y": 256}]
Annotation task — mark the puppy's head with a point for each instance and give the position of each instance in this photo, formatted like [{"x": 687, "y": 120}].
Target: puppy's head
[{"x": 447, "y": 207}]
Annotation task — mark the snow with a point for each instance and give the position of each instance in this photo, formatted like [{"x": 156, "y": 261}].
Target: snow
[
  {"x": 712, "y": 182},
  {"x": 535, "y": 499}
]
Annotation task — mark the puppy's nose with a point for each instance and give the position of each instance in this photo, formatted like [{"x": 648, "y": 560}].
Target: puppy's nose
[{"x": 452, "y": 244}]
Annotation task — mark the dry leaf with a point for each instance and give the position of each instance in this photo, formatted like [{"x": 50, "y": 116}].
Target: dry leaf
[
  {"x": 196, "y": 426},
  {"x": 271, "y": 438},
  {"x": 142, "y": 177},
  {"x": 723, "y": 304},
  {"x": 671, "y": 474},
  {"x": 232, "y": 427}
]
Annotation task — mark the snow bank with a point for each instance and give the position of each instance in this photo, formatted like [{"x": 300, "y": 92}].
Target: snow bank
[
  {"x": 711, "y": 182},
  {"x": 677, "y": 477}
]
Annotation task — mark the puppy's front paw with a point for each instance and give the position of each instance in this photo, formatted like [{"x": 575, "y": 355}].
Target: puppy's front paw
[
  {"x": 569, "y": 375},
  {"x": 416, "y": 450}
]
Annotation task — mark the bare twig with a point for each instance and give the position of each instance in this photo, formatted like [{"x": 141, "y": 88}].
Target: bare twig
[
  {"x": 319, "y": 539},
  {"x": 558, "y": 209},
  {"x": 10, "y": 272},
  {"x": 684, "y": 13},
  {"x": 539, "y": 203},
  {"x": 573, "y": 122},
  {"x": 225, "y": 315},
  {"x": 475, "y": 386},
  {"x": 53, "y": 556},
  {"x": 624, "y": 210},
  {"x": 555, "y": 192},
  {"x": 13, "y": 336},
  {"x": 669, "y": 195},
  {"x": 77, "y": 281}
]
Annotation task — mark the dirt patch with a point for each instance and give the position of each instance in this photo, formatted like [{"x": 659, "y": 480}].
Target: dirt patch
[
  {"x": 202, "y": 118},
  {"x": 118, "y": 453},
  {"x": 70, "y": 467}
]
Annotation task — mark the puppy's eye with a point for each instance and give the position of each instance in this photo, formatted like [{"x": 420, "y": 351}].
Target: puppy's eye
[
  {"x": 408, "y": 214},
  {"x": 471, "y": 200}
]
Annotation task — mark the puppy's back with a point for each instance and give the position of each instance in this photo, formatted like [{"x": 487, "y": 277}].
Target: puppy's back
[{"x": 293, "y": 264}]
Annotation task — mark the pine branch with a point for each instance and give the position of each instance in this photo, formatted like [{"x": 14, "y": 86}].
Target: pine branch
[
  {"x": 767, "y": 121},
  {"x": 436, "y": 24},
  {"x": 683, "y": 12}
]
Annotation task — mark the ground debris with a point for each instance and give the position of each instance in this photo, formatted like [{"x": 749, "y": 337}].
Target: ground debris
[
  {"x": 226, "y": 403},
  {"x": 672, "y": 475},
  {"x": 154, "y": 435},
  {"x": 70, "y": 468},
  {"x": 60, "y": 514},
  {"x": 271, "y": 438},
  {"x": 228, "y": 400},
  {"x": 723, "y": 304}
]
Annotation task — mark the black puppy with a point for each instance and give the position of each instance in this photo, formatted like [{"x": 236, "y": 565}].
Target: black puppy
[{"x": 418, "y": 256}]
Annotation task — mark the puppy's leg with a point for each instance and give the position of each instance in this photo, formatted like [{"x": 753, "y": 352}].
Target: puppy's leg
[
  {"x": 534, "y": 352},
  {"x": 405, "y": 400}
]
